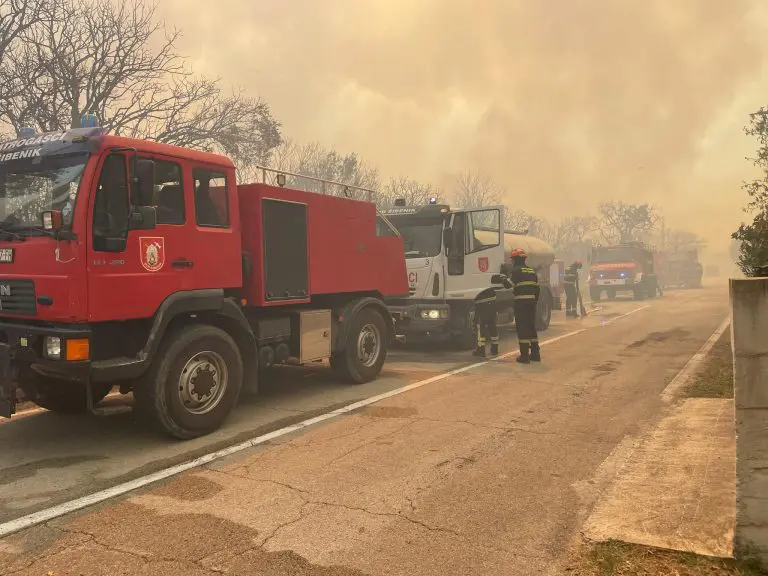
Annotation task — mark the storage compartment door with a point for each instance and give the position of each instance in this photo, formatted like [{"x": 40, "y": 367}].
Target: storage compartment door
[{"x": 286, "y": 254}]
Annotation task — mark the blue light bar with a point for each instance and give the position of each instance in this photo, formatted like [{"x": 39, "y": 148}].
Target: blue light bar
[
  {"x": 26, "y": 132},
  {"x": 89, "y": 121}
]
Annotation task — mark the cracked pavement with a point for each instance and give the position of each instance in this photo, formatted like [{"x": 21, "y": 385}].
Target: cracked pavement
[{"x": 491, "y": 471}]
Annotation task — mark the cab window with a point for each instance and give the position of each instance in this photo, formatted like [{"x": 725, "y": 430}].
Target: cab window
[
  {"x": 484, "y": 230},
  {"x": 110, "y": 211},
  {"x": 211, "y": 200},
  {"x": 169, "y": 193}
]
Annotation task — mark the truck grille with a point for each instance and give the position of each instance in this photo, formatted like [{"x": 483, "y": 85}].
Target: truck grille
[
  {"x": 613, "y": 274},
  {"x": 17, "y": 297}
]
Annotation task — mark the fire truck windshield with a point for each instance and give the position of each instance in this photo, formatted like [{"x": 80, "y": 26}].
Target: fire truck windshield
[
  {"x": 422, "y": 237},
  {"x": 613, "y": 255},
  {"x": 30, "y": 186}
]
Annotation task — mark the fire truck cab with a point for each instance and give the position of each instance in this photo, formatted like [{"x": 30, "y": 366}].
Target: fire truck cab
[
  {"x": 627, "y": 267},
  {"x": 451, "y": 256},
  {"x": 144, "y": 265}
]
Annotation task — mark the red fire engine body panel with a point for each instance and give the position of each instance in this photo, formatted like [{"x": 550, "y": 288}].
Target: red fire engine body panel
[
  {"x": 344, "y": 253},
  {"x": 82, "y": 285}
]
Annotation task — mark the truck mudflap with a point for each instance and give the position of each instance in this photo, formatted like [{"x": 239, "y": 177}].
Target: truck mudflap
[{"x": 7, "y": 382}]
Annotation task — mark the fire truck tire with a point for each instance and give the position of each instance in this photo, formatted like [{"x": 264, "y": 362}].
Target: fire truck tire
[
  {"x": 466, "y": 339},
  {"x": 366, "y": 348},
  {"x": 62, "y": 396},
  {"x": 168, "y": 396},
  {"x": 543, "y": 313}
]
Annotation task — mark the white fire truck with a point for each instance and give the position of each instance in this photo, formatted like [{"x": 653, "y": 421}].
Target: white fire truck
[{"x": 451, "y": 256}]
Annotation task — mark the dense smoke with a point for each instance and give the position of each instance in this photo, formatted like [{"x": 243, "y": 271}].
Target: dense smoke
[{"x": 564, "y": 102}]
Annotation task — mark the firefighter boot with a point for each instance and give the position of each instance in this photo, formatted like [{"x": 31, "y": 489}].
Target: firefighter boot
[
  {"x": 524, "y": 357},
  {"x": 479, "y": 352},
  {"x": 535, "y": 352},
  {"x": 494, "y": 349}
]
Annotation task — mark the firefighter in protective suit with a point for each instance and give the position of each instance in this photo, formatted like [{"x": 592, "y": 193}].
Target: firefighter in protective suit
[
  {"x": 526, "y": 298},
  {"x": 571, "y": 285},
  {"x": 485, "y": 318}
]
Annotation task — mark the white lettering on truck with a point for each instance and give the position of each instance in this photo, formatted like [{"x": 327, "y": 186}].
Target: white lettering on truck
[
  {"x": 20, "y": 154},
  {"x": 23, "y": 142}
]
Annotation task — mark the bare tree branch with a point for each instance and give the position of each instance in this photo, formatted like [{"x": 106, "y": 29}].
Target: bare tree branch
[
  {"x": 414, "y": 193},
  {"x": 682, "y": 241},
  {"x": 474, "y": 190},
  {"x": 118, "y": 61},
  {"x": 620, "y": 222},
  {"x": 315, "y": 160},
  {"x": 16, "y": 19}
]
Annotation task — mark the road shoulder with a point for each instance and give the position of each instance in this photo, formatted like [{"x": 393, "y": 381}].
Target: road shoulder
[{"x": 673, "y": 503}]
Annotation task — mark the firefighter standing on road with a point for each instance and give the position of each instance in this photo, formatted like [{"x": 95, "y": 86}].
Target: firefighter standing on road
[
  {"x": 485, "y": 318},
  {"x": 526, "y": 290},
  {"x": 571, "y": 285}
]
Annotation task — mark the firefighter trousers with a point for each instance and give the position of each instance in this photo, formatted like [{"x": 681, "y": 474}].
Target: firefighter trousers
[
  {"x": 571, "y": 298},
  {"x": 485, "y": 318},
  {"x": 525, "y": 324}
]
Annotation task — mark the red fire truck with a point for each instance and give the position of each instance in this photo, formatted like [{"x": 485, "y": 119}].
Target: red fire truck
[
  {"x": 627, "y": 267},
  {"x": 144, "y": 265}
]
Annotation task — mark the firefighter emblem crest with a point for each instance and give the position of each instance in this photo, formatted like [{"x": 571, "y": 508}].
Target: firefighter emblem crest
[
  {"x": 152, "y": 253},
  {"x": 482, "y": 263}
]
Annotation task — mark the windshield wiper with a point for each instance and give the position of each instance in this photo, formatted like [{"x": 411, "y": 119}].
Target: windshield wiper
[{"x": 8, "y": 234}]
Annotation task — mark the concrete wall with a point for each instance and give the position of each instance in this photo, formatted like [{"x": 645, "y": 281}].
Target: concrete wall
[{"x": 749, "y": 341}]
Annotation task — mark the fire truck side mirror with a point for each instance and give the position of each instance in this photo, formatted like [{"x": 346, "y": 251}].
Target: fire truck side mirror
[
  {"x": 144, "y": 178},
  {"x": 143, "y": 218}
]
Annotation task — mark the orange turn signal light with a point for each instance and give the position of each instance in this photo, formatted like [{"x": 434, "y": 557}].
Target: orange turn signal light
[{"x": 78, "y": 349}]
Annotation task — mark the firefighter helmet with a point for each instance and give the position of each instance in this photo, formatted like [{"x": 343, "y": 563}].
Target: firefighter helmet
[{"x": 518, "y": 253}]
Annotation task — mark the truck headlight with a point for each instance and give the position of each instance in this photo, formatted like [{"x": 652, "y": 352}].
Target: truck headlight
[
  {"x": 53, "y": 347},
  {"x": 434, "y": 314}
]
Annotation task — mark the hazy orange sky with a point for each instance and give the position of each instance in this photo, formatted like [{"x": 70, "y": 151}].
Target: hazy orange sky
[{"x": 563, "y": 102}]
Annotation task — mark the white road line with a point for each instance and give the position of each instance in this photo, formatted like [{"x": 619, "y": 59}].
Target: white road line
[
  {"x": 47, "y": 514},
  {"x": 692, "y": 366},
  {"x": 612, "y": 320}
]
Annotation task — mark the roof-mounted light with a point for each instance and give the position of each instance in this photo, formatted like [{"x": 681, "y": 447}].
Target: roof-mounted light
[
  {"x": 26, "y": 132},
  {"x": 89, "y": 121},
  {"x": 400, "y": 202},
  {"x": 433, "y": 200}
]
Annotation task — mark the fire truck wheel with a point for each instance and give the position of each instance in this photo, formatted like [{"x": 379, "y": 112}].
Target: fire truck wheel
[
  {"x": 365, "y": 350},
  {"x": 194, "y": 382},
  {"x": 64, "y": 397},
  {"x": 466, "y": 338},
  {"x": 543, "y": 314}
]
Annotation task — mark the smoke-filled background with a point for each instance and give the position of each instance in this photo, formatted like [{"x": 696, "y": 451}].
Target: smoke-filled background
[{"x": 564, "y": 103}]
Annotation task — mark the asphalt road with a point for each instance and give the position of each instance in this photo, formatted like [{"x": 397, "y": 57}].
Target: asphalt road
[
  {"x": 48, "y": 459},
  {"x": 489, "y": 471}
]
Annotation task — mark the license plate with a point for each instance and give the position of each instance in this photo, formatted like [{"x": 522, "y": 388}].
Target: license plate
[
  {"x": 610, "y": 282},
  {"x": 6, "y": 254}
]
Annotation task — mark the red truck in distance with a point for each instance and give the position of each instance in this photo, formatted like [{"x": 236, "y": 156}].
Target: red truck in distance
[
  {"x": 626, "y": 267},
  {"x": 144, "y": 265}
]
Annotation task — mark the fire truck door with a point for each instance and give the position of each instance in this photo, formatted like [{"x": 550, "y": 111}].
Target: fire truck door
[
  {"x": 130, "y": 271},
  {"x": 483, "y": 252}
]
